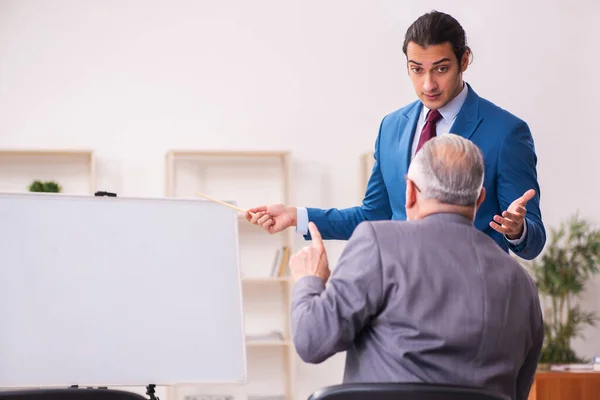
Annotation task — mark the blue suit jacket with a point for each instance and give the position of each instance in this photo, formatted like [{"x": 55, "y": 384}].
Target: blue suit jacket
[{"x": 510, "y": 170}]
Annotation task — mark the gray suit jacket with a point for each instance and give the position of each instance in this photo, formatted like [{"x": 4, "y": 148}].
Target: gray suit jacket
[{"x": 433, "y": 300}]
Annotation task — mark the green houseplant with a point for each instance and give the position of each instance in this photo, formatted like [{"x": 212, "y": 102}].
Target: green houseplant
[
  {"x": 49, "y": 187},
  {"x": 572, "y": 257}
]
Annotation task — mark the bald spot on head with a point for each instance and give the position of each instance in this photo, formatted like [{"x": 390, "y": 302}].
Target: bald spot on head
[{"x": 449, "y": 169}]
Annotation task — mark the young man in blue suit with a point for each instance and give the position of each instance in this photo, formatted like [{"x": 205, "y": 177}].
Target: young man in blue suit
[{"x": 437, "y": 55}]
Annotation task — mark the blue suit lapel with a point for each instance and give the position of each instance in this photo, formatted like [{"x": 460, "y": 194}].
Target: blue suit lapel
[
  {"x": 468, "y": 118},
  {"x": 407, "y": 133}
]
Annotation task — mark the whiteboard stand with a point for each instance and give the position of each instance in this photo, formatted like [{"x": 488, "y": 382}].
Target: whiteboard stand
[{"x": 89, "y": 283}]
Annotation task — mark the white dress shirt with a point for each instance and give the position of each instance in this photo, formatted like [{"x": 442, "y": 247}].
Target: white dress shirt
[{"x": 442, "y": 127}]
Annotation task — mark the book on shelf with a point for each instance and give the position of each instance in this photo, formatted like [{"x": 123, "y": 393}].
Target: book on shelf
[{"x": 280, "y": 262}]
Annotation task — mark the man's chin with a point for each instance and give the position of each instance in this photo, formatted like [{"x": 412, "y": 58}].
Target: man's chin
[{"x": 432, "y": 103}]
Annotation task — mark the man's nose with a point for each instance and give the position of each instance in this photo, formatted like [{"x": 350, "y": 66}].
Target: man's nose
[{"x": 429, "y": 84}]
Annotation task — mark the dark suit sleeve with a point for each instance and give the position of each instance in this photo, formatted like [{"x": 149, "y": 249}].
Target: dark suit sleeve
[
  {"x": 327, "y": 320},
  {"x": 527, "y": 371},
  {"x": 516, "y": 174},
  {"x": 339, "y": 224}
]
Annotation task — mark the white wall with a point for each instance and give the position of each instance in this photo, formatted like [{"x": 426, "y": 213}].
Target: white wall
[{"x": 132, "y": 79}]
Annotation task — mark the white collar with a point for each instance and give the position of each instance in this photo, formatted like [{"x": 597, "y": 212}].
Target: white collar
[{"x": 450, "y": 110}]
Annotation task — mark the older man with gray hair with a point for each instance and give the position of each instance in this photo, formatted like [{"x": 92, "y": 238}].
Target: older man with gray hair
[{"x": 431, "y": 299}]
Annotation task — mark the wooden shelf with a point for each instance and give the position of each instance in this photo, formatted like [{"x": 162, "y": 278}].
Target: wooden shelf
[
  {"x": 268, "y": 343},
  {"x": 248, "y": 178},
  {"x": 228, "y": 154},
  {"x": 20, "y": 167},
  {"x": 280, "y": 279},
  {"x": 47, "y": 153}
]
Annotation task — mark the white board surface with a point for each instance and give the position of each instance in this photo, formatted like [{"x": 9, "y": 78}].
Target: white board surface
[{"x": 113, "y": 291}]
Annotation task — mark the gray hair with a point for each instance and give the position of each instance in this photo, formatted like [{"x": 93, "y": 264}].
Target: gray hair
[{"x": 449, "y": 169}]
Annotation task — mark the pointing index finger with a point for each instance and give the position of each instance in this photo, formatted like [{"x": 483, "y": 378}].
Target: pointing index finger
[{"x": 315, "y": 235}]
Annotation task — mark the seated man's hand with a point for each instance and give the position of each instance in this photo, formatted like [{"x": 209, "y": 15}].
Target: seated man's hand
[{"x": 311, "y": 260}]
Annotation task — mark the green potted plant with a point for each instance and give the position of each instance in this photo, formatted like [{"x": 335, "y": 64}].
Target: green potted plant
[
  {"x": 48, "y": 187},
  {"x": 561, "y": 273}
]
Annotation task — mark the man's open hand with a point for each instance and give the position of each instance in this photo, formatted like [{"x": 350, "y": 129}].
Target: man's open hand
[
  {"x": 311, "y": 260},
  {"x": 512, "y": 220}
]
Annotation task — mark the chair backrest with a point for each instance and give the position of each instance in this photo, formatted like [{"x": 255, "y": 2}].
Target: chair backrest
[
  {"x": 69, "y": 394},
  {"x": 403, "y": 391}
]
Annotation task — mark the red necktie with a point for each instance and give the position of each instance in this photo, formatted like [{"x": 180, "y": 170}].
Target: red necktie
[{"x": 429, "y": 128}]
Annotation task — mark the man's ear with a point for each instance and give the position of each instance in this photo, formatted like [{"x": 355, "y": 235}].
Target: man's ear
[
  {"x": 464, "y": 62},
  {"x": 481, "y": 198},
  {"x": 411, "y": 194}
]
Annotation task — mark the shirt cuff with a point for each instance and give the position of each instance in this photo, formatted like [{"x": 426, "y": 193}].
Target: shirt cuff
[
  {"x": 301, "y": 220},
  {"x": 516, "y": 242}
]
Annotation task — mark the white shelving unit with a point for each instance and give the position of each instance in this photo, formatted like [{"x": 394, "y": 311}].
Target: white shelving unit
[
  {"x": 248, "y": 178},
  {"x": 73, "y": 170},
  {"x": 367, "y": 160}
]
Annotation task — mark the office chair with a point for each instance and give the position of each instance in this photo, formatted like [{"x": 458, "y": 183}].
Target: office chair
[
  {"x": 403, "y": 391},
  {"x": 69, "y": 394}
]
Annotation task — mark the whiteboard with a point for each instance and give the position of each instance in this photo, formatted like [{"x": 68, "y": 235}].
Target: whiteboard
[{"x": 114, "y": 291}]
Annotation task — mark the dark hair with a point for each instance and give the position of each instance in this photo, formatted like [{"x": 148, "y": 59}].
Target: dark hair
[{"x": 437, "y": 28}]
